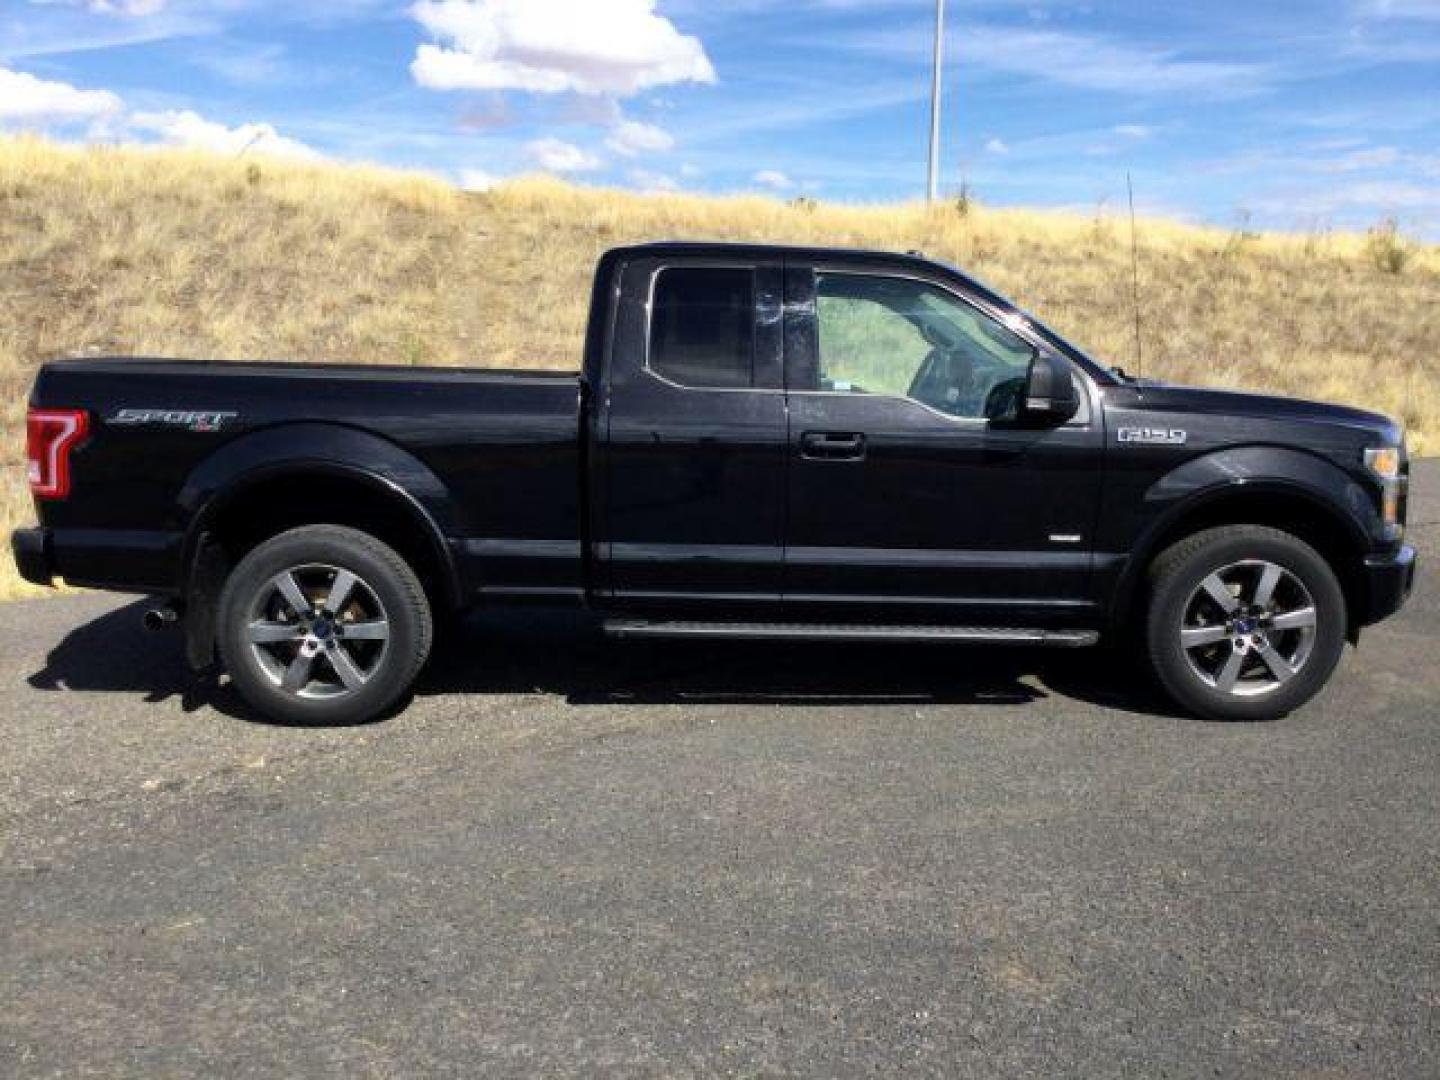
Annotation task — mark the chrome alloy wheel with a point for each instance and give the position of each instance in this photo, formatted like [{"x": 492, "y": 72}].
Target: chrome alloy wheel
[
  {"x": 1248, "y": 628},
  {"x": 318, "y": 631}
]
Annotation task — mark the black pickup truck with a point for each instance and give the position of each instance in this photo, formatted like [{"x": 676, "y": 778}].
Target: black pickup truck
[{"x": 765, "y": 442}]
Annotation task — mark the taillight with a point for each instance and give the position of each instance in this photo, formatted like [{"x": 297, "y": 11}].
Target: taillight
[{"x": 50, "y": 436}]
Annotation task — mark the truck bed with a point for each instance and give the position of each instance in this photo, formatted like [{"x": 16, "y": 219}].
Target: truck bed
[{"x": 494, "y": 451}]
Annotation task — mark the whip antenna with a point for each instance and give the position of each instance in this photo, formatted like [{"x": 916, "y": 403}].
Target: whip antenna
[{"x": 1135, "y": 286}]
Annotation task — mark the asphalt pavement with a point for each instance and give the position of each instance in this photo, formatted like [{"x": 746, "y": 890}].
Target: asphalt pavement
[{"x": 575, "y": 857}]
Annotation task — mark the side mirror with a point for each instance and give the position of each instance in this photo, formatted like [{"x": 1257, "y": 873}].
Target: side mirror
[{"x": 1050, "y": 393}]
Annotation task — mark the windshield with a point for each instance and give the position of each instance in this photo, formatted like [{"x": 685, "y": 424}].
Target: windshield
[
  {"x": 1026, "y": 321},
  {"x": 1068, "y": 348}
]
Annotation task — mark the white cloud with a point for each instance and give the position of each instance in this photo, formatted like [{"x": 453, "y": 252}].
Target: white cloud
[
  {"x": 1090, "y": 61},
  {"x": 479, "y": 180},
  {"x": 1401, "y": 9},
  {"x": 186, "y": 128},
  {"x": 1378, "y": 157},
  {"x": 24, "y": 99},
  {"x": 27, "y": 101},
  {"x": 615, "y": 47},
  {"x": 1133, "y": 131},
  {"x": 127, "y": 7},
  {"x": 996, "y": 146},
  {"x": 1332, "y": 157},
  {"x": 253, "y": 65},
  {"x": 47, "y": 30},
  {"x": 1098, "y": 63},
  {"x": 553, "y": 155},
  {"x": 653, "y": 183},
  {"x": 1373, "y": 197},
  {"x": 631, "y": 137},
  {"x": 773, "y": 179},
  {"x": 132, "y": 8}
]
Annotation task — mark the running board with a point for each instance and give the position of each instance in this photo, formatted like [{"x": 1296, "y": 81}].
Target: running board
[{"x": 995, "y": 635}]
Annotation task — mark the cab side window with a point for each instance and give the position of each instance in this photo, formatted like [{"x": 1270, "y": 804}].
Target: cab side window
[
  {"x": 904, "y": 338},
  {"x": 702, "y": 328}
]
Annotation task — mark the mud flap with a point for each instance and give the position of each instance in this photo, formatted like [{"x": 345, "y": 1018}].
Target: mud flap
[{"x": 202, "y": 601}]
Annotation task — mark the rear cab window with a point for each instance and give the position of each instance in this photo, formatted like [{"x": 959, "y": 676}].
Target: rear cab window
[{"x": 702, "y": 327}]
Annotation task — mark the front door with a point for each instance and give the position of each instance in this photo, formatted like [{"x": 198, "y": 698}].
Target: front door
[
  {"x": 914, "y": 491},
  {"x": 695, "y": 439}
]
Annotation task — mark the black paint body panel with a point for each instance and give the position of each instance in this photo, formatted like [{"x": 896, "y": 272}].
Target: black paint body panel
[{"x": 491, "y": 460}]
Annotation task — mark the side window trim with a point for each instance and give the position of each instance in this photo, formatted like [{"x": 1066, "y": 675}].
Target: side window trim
[{"x": 766, "y": 370}]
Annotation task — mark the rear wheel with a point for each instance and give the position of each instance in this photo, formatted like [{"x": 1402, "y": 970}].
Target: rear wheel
[
  {"x": 323, "y": 625},
  {"x": 1245, "y": 622}
]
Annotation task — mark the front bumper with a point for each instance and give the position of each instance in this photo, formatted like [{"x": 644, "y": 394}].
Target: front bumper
[
  {"x": 1389, "y": 580},
  {"x": 34, "y": 555}
]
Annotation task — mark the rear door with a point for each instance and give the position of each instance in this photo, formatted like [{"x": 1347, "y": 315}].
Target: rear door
[
  {"x": 914, "y": 494},
  {"x": 694, "y": 439}
]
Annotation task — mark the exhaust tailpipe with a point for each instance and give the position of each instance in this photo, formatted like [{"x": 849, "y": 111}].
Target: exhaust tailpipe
[{"x": 161, "y": 618}]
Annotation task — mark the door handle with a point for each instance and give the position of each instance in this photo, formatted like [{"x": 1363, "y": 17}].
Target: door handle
[{"x": 832, "y": 445}]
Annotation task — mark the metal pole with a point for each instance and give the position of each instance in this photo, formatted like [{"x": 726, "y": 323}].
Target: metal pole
[{"x": 935, "y": 94}]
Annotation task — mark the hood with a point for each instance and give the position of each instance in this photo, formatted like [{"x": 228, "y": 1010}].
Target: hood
[{"x": 1167, "y": 397}]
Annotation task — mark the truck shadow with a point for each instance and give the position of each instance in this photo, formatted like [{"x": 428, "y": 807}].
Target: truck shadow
[
  {"x": 566, "y": 656},
  {"x": 569, "y": 656}
]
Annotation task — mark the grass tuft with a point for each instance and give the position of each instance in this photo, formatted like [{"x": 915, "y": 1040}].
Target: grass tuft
[{"x": 1387, "y": 248}]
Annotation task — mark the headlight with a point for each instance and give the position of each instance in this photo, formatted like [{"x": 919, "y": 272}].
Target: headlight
[{"x": 1384, "y": 462}]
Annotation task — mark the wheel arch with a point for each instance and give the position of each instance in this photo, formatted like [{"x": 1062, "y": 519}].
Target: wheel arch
[
  {"x": 1287, "y": 505},
  {"x": 310, "y": 474}
]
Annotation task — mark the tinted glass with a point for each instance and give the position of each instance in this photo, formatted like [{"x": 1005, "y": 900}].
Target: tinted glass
[
  {"x": 702, "y": 328},
  {"x": 904, "y": 338}
]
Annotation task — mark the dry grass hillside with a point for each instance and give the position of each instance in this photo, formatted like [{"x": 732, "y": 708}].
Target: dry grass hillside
[{"x": 180, "y": 254}]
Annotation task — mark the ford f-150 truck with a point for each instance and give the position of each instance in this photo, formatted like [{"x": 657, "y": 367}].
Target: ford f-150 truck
[{"x": 764, "y": 442}]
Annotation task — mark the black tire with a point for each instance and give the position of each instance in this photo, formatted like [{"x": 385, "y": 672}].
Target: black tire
[
  {"x": 385, "y": 605},
  {"x": 1194, "y": 675}
]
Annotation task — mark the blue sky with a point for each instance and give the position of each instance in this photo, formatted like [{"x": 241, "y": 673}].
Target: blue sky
[{"x": 1290, "y": 114}]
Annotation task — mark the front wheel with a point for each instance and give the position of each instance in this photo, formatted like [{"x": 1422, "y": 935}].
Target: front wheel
[
  {"x": 323, "y": 625},
  {"x": 1245, "y": 622}
]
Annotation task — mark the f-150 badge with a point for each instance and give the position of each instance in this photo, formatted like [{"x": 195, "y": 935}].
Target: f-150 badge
[
  {"x": 1154, "y": 436},
  {"x": 190, "y": 420}
]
